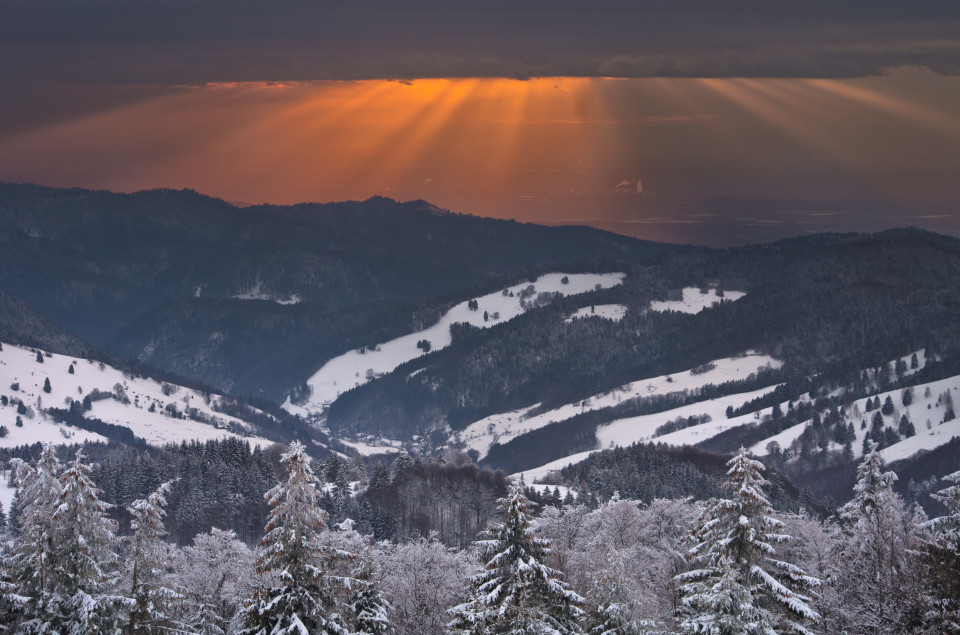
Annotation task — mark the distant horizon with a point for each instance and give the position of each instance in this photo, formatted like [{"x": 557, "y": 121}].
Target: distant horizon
[
  {"x": 685, "y": 121},
  {"x": 681, "y": 160},
  {"x": 597, "y": 226}
]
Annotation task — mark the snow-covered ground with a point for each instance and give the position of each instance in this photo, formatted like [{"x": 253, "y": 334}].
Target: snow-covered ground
[
  {"x": 381, "y": 446},
  {"x": 624, "y": 432},
  {"x": 538, "y": 473},
  {"x": 694, "y": 301},
  {"x": 927, "y": 412},
  {"x": 256, "y": 293},
  {"x": 355, "y": 368},
  {"x": 19, "y": 367},
  {"x": 931, "y": 403},
  {"x": 613, "y": 312},
  {"x": 500, "y": 428}
]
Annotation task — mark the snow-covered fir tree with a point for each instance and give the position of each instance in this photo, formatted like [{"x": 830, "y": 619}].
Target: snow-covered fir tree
[
  {"x": 943, "y": 562},
  {"x": 148, "y": 552},
  {"x": 32, "y": 556},
  {"x": 82, "y": 595},
  {"x": 371, "y": 612},
  {"x": 947, "y": 528},
  {"x": 739, "y": 586},
  {"x": 297, "y": 597},
  {"x": 877, "y": 574},
  {"x": 516, "y": 592}
]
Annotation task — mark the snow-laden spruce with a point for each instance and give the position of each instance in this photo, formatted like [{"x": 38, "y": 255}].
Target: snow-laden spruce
[
  {"x": 739, "y": 585},
  {"x": 516, "y": 593},
  {"x": 299, "y": 595},
  {"x": 947, "y": 528},
  {"x": 876, "y": 572},
  {"x": 943, "y": 561},
  {"x": 76, "y": 594},
  {"x": 148, "y": 553},
  {"x": 36, "y": 500}
]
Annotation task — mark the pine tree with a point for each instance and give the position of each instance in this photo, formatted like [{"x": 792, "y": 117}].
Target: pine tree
[
  {"x": 82, "y": 573},
  {"x": 371, "y": 612},
  {"x": 32, "y": 557},
  {"x": 297, "y": 597},
  {"x": 516, "y": 592},
  {"x": 148, "y": 553},
  {"x": 740, "y": 586},
  {"x": 943, "y": 562},
  {"x": 877, "y": 576}
]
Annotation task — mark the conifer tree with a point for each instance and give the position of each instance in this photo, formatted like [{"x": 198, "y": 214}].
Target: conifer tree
[
  {"x": 297, "y": 597},
  {"x": 148, "y": 553},
  {"x": 943, "y": 562},
  {"x": 516, "y": 592},
  {"x": 740, "y": 586},
  {"x": 32, "y": 557},
  {"x": 370, "y": 610},
  {"x": 877, "y": 577},
  {"x": 83, "y": 574}
]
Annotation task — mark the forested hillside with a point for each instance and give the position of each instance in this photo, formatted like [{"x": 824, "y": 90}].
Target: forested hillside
[
  {"x": 827, "y": 305},
  {"x": 183, "y": 281}
]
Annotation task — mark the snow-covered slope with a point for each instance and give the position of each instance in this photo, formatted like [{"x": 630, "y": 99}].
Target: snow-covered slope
[
  {"x": 150, "y": 409},
  {"x": 929, "y": 412},
  {"x": 613, "y": 312},
  {"x": 355, "y": 367},
  {"x": 693, "y": 301},
  {"x": 503, "y": 427},
  {"x": 931, "y": 403}
]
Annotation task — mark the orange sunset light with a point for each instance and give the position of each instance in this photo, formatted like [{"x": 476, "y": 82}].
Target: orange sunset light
[{"x": 611, "y": 152}]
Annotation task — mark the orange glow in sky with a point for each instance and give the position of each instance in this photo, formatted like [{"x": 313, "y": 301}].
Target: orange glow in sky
[{"x": 638, "y": 156}]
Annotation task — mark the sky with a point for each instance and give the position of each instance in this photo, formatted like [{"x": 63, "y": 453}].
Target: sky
[{"x": 684, "y": 121}]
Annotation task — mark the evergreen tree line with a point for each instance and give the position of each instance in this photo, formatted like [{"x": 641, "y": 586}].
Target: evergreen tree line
[{"x": 726, "y": 564}]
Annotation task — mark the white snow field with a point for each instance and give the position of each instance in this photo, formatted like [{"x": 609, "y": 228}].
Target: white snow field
[
  {"x": 381, "y": 446},
  {"x": 625, "y": 432},
  {"x": 500, "y": 428},
  {"x": 694, "y": 301},
  {"x": 613, "y": 312},
  {"x": 354, "y": 368},
  {"x": 18, "y": 366},
  {"x": 927, "y": 412}
]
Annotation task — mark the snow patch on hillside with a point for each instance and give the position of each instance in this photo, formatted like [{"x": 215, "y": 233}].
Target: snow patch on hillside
[
  {"x": 355, "y": 368},
  {"x": 381, "y": 446},
  {"x": 624, "y": 432},
  {"x": 930, "y": 406},
  {"x": 503, "y": 427},
  {"x": 693, "y": 301},
  {"x": 19, "y": 367},
  {"x": 613, "y": 312},
  {"x": 293, "y": 299},
  {"x": 256, "y": 293}
]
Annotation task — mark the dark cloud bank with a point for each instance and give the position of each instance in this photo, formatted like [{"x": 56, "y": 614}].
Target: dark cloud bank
[{"x": 196, "y": 41}]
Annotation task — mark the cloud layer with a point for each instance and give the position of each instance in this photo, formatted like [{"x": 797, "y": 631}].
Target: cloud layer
[{"x": 190, "y": 42}]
